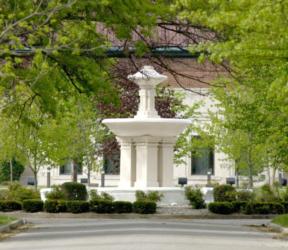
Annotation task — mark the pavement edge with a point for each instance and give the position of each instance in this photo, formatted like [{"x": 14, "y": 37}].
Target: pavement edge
[
  {"x": 13, "y": 225},
  {"x": 278, "y": 228}
]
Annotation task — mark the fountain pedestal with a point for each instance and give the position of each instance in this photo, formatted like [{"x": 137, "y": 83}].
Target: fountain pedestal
[{"x": 146, "y": 141}]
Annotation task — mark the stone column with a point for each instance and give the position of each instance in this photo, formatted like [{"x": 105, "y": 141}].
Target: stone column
[
  {"x": 147, "y": 103},
  {"x": 146, "y": 163},
  {"x": 127, "y": 163},
  {"x": 166, "y": 162}
]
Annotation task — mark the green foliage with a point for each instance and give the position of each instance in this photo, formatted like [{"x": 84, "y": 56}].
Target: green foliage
[
  {"x": 55, "y": 206},
  {"x": 77, "y": 206},
  {"x": 56, "y": 193},
  {"x": 17, "y": 167},
  {"x": 285, "y": 205},
  {"x": 50, "y": 206},
  {"x": 32, "y": 206},
  {"x": 102, "y": 206},
  {"x": 264, "y": 208},
  {"x": 239, "y": 206},
  {"x": 49, "y": 68},
  {"x": 7, "y": 206},
  {"x": 221, "y": 207},
  {"x": 94, "y": 196},
  {"x": 223, "y": 193},
  {"x": 267, "y": 194},
  {"x": 74, "y": 191},
  {"x": 153, "y": 196},
  {"x": 144, "y": 207},
  {"x": 250, "y": 40},
  {"x": 17, "y": 192},
  {"x": 122, "y": 207},
  {"x": 285, "y": 195},
  {"x": 195, "y": 197},
  {"x": 245, "y": 195}
]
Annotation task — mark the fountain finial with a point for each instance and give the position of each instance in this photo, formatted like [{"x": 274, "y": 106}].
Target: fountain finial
[{"x": 147, "y": 79}]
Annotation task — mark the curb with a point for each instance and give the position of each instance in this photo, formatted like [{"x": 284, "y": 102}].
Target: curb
[
  {"x": 278, "y": 228},
  {"x": 14, "y": 224},
  {"x": 91, "y": 215}
]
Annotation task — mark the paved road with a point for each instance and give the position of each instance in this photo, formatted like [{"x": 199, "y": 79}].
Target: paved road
[{"x": 86, "y": 234}]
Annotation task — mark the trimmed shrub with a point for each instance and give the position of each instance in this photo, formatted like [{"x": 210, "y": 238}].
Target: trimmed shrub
[
  {"x": 264, "y": 208},
  {"x": 195, "y": 197},
  {"x": 74, "y": 191},
  {"x": 239, "y": 206},
  {"x": 62, "y": 207},
  {"x": 56, "y": 194},
  {"x": 122, "y": 207},
  {"x": 32, "y": 206},
  {"x": 144, "y": 207},
  {"x": 223, "y": 193},
  {"x": 51, "y": 206},
  {"x": 153, "y": 196},
  {"x": 6, "y": 206},
  {"x": 285, "y": 206},
  {"x": 221, "y": 207},
  {"x": 76, "y": 207},
  {"x": 55, "y": 206},
  {"x": 93, "y": 205},
  {"x": 103, "y": 207}
]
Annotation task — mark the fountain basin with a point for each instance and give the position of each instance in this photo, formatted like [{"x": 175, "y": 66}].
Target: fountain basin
[{"x": 158, "y": 127}]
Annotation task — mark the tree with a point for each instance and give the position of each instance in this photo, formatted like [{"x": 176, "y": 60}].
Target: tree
[
  {"x": 75, "y": 133},
  {"x": 5, "y": 171},
  {"x": 250, "y": 41},
  {"x": 51, "y": 46},
  {"x": 237, "y": 131},
  {"x": 9, "y": 150}
]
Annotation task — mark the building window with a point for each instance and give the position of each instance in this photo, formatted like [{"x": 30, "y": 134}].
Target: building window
[
  {"x": 112, "y": 163},
  {"x": 66, "y": 169},
  {"x": 202, "y": 161}
]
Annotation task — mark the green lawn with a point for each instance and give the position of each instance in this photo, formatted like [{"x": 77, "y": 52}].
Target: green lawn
[
  {"x": 6, "y": 219},
  {"x": 281, "y": 220}
]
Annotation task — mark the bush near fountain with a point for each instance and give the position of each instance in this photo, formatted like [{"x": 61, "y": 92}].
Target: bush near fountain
[
  {"x": 263, "y": 200},
  {"x": 99, "y": 202},
  {"x": 195, "y": 197}
]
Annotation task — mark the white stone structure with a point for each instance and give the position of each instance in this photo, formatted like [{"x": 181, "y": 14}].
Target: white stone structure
[{"x": 146, "y": 141}]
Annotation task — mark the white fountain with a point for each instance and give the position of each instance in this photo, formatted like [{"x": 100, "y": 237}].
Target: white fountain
[{"x": 146, "y": 142}]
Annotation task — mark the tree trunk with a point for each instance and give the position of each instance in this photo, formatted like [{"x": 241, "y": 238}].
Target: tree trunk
[
  {"x": 273, "y": 176},
  {"x": 74, "y": 171},
  {"x": 237, "y": 173},
  {"x": 269, "y": 176},
  {"x": 250, "y": 177},
  {"x": 11, "y": 170},
  {"x": 88, "y": 174},
  {"x": 250, "y": 170},
  {"x": 35, "y": 180}
]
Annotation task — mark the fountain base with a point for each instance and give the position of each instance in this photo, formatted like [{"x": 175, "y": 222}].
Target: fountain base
[{"x": 172, "y": 196}]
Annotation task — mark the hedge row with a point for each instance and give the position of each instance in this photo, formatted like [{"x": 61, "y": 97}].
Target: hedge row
[
  {"x": 97, "y": 206},
  {"x": 248, "y": 207},
  {"x": 7, "y": 206}
]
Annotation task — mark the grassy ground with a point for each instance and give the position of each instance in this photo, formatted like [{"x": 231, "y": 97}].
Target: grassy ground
[
  {"x": 281, "y": 220},
  {"x": 6, "y": 219}
]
